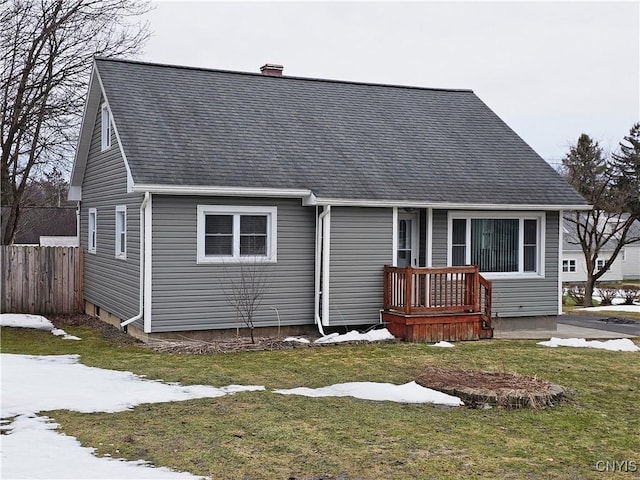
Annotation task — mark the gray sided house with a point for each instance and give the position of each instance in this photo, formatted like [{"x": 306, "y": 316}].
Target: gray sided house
[{"x": 187, "y": 176}]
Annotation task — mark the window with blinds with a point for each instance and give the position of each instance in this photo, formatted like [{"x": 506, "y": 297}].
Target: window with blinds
[{"x": 500, "y": 245}]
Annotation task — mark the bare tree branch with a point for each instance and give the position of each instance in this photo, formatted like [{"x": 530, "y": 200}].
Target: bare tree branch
[{"x": 46, "y": 49}]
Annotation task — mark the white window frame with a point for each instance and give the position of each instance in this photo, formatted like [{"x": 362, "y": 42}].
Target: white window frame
[
  {"x": 600, "y": 263},
  {"x": 121, "y": 232},
  {"x": 105, "y": 127},
  {"x": 569, "y": 265},
  {"x": 238, "y": 211},
  {"x": 540, "y": 217},
  {"x": 92, "y": 230}
]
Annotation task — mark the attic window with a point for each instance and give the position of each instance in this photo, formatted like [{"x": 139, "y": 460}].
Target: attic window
[{"x": 105, "y": 127}]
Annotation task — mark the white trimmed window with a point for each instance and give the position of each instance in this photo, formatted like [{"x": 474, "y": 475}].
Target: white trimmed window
[
  {"x": 236, "y": 234},
  {"x": 568, "y": 266},
  {"x": 502, "y": 245},
  {"x": 121, "y": 231},
  {"x": 105, "y": 127},
  {"x": 92, "y": 229},
  {"x": 600, "y": 263}
]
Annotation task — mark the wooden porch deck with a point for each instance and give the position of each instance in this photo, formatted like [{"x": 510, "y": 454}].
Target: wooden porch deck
[{"x": 435, "y": 304}]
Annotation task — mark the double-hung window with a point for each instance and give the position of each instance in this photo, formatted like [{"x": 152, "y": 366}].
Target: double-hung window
[
  {"x": 92, "y": 229},
  {"x": 121, "y": 231},
  {"x": 105, "y": 127},
  {"x": 568, "y": 266},
  {"x": 505, "y": 245},
  {"x": 236, "y": 234}
]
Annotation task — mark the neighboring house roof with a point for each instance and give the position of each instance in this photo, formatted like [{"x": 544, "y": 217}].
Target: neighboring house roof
[
  {"x": 182, "y": 126},
  {"x": 571, "y": 242},
  {"x": 38, "y": 221}
]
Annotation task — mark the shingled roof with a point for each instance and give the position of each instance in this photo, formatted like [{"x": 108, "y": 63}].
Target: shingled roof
[{"x": 341, "y": 140}]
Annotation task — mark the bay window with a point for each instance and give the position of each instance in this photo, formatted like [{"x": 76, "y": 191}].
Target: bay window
[{"x": 497, "y": 243}]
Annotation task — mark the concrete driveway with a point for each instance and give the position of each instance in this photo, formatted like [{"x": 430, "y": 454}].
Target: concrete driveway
[{"x": 581, "y": 326}]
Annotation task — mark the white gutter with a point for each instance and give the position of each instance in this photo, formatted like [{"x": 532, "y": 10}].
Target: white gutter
[
  {"x": 350, "y": 202},
  {"x": 305, "y": 194},
  {"x": 143, "y": 207},
  {"x": 320, "y": 244}
]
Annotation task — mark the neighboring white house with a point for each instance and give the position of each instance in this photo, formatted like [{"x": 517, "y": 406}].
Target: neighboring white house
[{"x": 626, "y": 266}]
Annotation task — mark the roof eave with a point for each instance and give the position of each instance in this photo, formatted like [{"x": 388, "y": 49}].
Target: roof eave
[
  {"x": 448, "y": 205},
  {"x": 310, "y": 199}
]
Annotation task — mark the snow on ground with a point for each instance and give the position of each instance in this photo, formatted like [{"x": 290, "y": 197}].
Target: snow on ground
[
  {"x": 34, "y": 450},
  {"x": 370, "y": 336},
  {"x": 38, "y": 383},
  {"x": 443, "y": 344},
  {"x": 408, "y": 393},
  {"x": 612, "y": 308},
  {"x": 297, "y": 339},
  {"x": 30, "y": 384},
  {"x": 21, "y": 320},
  {"x": 31, "y": 448},
  {"x": 617, "y": 345}
]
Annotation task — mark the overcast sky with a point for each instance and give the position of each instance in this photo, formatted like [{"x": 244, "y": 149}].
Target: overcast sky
[{"x": 551, "y": 70}]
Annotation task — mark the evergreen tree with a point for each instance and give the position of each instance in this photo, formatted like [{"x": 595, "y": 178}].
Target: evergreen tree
[
  {"x": 626, "y": 168},
  {"x": 608, "y": 187},
  {"x": 585, "y": 168}
]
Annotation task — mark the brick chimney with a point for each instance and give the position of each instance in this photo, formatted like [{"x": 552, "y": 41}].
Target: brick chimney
[{"x": 272, "y": 69}]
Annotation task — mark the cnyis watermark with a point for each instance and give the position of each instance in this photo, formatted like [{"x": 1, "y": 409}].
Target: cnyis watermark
[{"x": 625, "y": 466}]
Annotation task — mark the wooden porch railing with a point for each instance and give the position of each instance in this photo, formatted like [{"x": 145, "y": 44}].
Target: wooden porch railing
[{"x": 428, "y": 291}]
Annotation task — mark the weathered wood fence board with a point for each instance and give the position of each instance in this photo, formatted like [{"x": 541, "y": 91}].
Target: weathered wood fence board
[{"x": 41, "y": 280}]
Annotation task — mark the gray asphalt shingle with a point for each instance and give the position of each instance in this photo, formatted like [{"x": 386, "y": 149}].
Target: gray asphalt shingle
[{"x": 188, "y": 126}]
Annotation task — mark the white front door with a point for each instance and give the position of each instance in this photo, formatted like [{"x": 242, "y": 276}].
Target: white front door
[{"x": 408, "y": 226}]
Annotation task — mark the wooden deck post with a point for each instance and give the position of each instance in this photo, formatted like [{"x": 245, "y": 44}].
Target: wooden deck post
[{"x": 408, "y": 288}]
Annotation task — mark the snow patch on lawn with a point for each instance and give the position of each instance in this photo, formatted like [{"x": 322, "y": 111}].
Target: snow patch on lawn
[
  {"x": 297, "y": 339},
  {"x": 30, "y": 384},
  {"x": 408, "y": 393},
  {"x": 443, "y": 344},
  {"x": 34, "y": 450},
  {"x": 22, "y": 320},
  {"x": 612, "y": 308},
  {"x": 353, "y": 336},
  {"x": 617, "y": 345}
]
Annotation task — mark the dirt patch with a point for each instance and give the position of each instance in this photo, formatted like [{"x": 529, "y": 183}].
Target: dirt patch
[
  {"x": 227, "y": 345},
  {"x": 480, "y": 389},
  {"x": 105, "y": 329},
  {"x": 238, "y": 344}
]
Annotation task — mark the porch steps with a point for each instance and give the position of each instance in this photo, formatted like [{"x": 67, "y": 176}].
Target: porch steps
[{"x": 450, "y": 327}]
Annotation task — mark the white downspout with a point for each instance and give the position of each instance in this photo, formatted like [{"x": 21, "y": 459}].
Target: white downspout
[
  {"x": 319, "y": 266},
  {"x": 326, "y": 258},
  {"x": 143, "y": 207},
  {"x": 78, "y": 224},
  {"x": 560, "y": 247}
]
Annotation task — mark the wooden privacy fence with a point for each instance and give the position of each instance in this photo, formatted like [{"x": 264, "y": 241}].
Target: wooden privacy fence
[{"x": 41, "y": 280}]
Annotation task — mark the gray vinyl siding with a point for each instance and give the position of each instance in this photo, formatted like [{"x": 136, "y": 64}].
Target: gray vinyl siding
[
  {"x": 109, "y": 282},
  {"x": 514, "y": 297},
  {"x": 440, "y": 236},
  {"x": 537, "y": 296},
  {"x": 361, "y": 244},
  {"x": 191, "y": 296}
]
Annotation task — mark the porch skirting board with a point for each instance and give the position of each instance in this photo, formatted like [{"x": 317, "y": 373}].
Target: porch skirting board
[{"x": 436, "y": 328}]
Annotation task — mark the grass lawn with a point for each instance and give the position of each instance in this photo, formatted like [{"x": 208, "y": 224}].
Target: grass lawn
[{"x": 255, "y": 435}]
